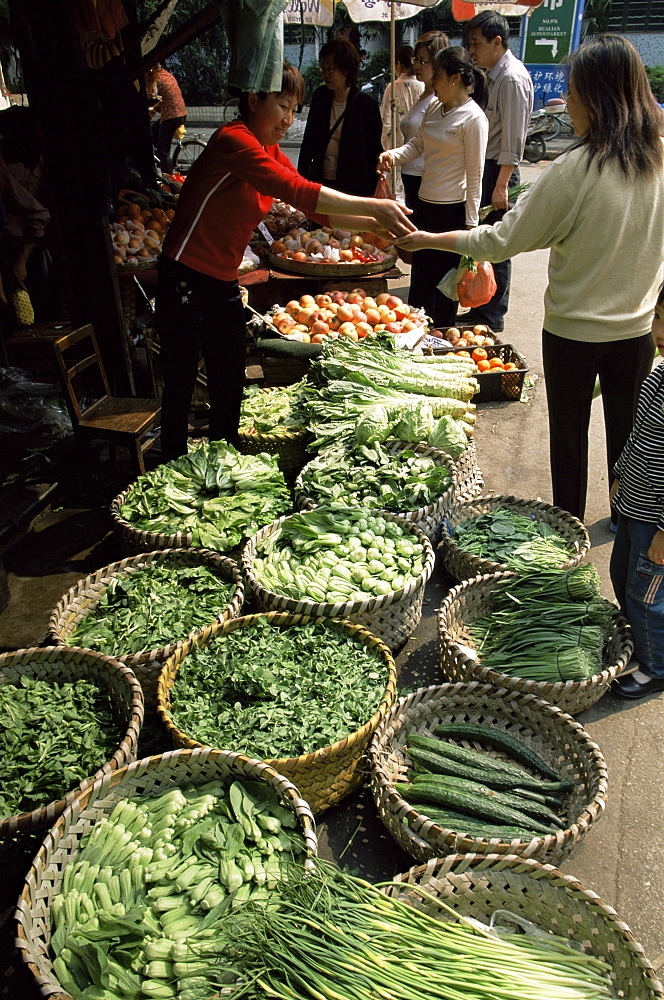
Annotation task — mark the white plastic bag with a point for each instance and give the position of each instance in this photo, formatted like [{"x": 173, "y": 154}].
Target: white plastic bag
[{"x": 448, "y": 286}]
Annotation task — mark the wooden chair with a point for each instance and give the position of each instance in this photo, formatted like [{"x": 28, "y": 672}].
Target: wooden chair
[{"x": 94, "y": 412}]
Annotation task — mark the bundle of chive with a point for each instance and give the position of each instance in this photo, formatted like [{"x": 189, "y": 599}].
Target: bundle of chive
[
  {"x": 550, "y": 625},
  {"x": 335, "y": 937}
]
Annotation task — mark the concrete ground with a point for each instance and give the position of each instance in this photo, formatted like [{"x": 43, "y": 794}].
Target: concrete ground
[{"x": 620, "y": 859}]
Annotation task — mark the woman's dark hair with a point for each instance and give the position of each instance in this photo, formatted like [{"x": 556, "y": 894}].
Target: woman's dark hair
[
  {"x": 404, "y": 56},
  {"x": 432, "y": 41},
  {"x": 625, "y": 122},
  {"x": 346, "y": 58},
  {"x": 456, "y": 59},
  {"x": 491, "y": 25},
  {"x": 292, "y": 84},
  {"x": 660, "y": 297}
]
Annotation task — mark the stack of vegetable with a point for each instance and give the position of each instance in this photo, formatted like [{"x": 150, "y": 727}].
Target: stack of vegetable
[
  {"x": 53, "y": 736},
  {"x": 215, "y": 493},
  {"x": 515, "y": 540},
  {"x": 142, "y": 905},
  {"x": 151, "y": 608},
  {"x": 264, "y": 412},
  {"x": 375, "y": 393},
  {"x": 372, "y": 477},
  {"x": 253, "y": 690},
  {"x": 550, "y": 625},
  {"x": 336, "y": 937},
  {"x": 333, "y": 554},
  {"x": 481, "y": 795}
]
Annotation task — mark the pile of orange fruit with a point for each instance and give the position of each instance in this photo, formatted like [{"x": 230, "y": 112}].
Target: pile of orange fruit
[{"x": 485, "y": 363}]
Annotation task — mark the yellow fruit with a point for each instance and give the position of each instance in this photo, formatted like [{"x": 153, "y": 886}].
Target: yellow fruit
[{"x": 23, "y": 310}]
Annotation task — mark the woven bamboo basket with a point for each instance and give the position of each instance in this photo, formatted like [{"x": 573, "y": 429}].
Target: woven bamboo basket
[
  {"x": 150, "y": 776},
  {"x": 461, "y": 564},
  {"x": 469, "y": 481},
  {"x": 289, "y": 444},
  {"x": 83, "y": 598},
  {"x": 312, "y": 269},
  {"x": 52, "y": 663},
  {"x": 392, "y": 617},
  {"x": 476, "y": 885},
  {"x": 428, "y": 518},
  {"x": 324, "y": 776},
  {"x": 471, "y": 599},
  {"x": 553, "y": 735},
  {"x": 135, "y": 541}
]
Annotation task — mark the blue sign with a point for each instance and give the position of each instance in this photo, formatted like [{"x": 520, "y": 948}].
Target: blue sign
[{"x": 548, "y": 82}]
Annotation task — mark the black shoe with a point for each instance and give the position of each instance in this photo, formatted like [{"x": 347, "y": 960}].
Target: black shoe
[{"x": 630, "y": 687}]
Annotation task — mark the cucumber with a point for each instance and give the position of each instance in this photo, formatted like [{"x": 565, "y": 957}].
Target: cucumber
[
  {"x": 535, "y": 809},
  {"x": 459, "y": 823},
  {"x": 496, "y": 779},
  {"x": 465, "y": 802},
  {"x": 472, "y": 757},
  {"x": 489, "y": 736}
]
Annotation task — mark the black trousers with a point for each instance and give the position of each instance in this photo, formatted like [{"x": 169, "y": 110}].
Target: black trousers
[
  {"x": 570, "y": 370},
  {"x": 493, "y": 312},
  {"x": 194, "y": 313},
  {"x": 411, "y": 187},
  {"x": 430, "y": 266}
]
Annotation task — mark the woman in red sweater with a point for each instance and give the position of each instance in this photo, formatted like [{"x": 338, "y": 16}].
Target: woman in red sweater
[{"x": 228, "y": 191}]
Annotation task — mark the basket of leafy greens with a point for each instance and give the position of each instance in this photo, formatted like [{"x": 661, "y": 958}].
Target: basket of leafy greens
[
  {"x": 473, "y": 768},
  {"x": 547, "y": 633},
  {"x": 341, "y": 562},
  {"x": 269, "y": 423},
  {"x": 139, "y": 609},
  {"x": 213, "y": 498},
  {"x": 69, "y": 717},
  {"x": 408, "y": 479},
  {"x": 494, "y": 533},
  {"x": 303, "y": 694},
  {"x": 131, "y": 890}
]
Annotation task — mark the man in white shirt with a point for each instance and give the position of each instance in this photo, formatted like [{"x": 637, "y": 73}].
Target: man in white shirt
[{"x": 510, "y": 104}]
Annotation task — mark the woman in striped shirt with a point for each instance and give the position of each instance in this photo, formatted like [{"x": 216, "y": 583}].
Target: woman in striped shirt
[{"x": 637, "y": 560}]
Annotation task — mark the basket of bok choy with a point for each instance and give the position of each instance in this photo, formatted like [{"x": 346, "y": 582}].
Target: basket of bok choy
[
  {"x": 212, "y": 498},
  {"x": 542, "y": 907},
  {"x": 547, "y": 633},
  {"x": 494, "y": 533},
  {"x": 338, "y": 562},
  {"x": 129, "y": 893},
  {"x": 139, "y": 609},
  {"x": 70, "y": 716},
  {"x": 304, "y": 694},
  {"x": 471, "y": 767},
  {"x": 412, "y": 480},
  {"x": 268, "y": 424}
]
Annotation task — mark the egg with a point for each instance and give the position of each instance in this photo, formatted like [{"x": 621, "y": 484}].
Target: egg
[{"x": 346, "y": 255}]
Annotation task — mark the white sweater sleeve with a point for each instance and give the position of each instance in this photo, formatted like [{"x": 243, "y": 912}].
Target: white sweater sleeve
[
  {"x": 543, "y": 216},
  {"x": 474, "y": 144},
  {"x": 410, "y": 151}
]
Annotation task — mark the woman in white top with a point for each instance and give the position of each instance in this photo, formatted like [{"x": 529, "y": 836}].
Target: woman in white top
[
  {"x": 407, "y": 89},
  {"x": 411, "y": 172},
  {"x": 452, "y": 139}
]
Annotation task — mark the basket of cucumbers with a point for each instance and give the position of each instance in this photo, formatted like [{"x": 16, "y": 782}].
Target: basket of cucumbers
[{"x": 461, "y": 768}]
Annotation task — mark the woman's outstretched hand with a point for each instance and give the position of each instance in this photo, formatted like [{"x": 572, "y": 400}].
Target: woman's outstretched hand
[
  {"x": 419, "y": 240},
  {"x": 384, "y": 163},
  {"x": 391, "y": 216}
]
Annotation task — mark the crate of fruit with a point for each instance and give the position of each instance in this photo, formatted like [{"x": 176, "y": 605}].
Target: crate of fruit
[{"x": 500, "y": 371}]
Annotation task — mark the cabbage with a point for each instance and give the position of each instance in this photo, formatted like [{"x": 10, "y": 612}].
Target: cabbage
[
  {"x": 416, "y": 423},
  {"x": 448, "y": 436},
  {"x": 374, "y": 425}
]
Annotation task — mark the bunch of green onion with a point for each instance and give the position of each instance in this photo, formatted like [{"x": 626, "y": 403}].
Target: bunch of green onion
[{"x": 335, "y": 937}]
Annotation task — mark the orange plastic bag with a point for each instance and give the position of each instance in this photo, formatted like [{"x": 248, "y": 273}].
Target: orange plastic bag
[{"x": 477, "y": 284}]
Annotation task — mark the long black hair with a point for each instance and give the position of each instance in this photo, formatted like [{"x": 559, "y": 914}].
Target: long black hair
[
  {"x": 625, "y": 122},
  {"x": 456, "y": 59}
]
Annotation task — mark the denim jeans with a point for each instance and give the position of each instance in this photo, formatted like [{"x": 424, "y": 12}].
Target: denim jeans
[{"x": 638, "y": 584}]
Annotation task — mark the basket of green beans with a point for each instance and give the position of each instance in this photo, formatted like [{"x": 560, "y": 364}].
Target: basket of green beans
[
  {"x": 69, "y": 717},
  {"x": 547, "y": 633},
  {"x": 517, "y": 775},
  {"x": 141, "y": 608},
  {"x": 128, "y": 892},
  {"x": 538, "y": 908},
  {"x": 494, "y": 533}
]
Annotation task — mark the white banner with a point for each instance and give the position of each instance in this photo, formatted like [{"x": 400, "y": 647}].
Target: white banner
[{"x": 321, "y": 12}]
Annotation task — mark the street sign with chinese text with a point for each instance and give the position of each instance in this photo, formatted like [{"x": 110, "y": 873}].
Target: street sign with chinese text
[{"x": 548, "y": 81}]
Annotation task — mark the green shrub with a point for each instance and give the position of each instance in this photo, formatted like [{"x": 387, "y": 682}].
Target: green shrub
[
  {"x": 313, "y": 78},
  {"x": 656, "y": 78}
]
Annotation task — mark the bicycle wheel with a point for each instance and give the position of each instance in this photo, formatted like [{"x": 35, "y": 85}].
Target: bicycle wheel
[
  {"x": 231, "y": 109},
  {"x": 554, "y": 128},
  {"x": 535, "y": 149},
  {"x": 186, "y": 153}
]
